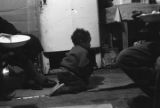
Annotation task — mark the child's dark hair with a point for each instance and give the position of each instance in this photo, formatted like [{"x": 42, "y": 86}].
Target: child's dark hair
[{"x": 79, "y": 36}]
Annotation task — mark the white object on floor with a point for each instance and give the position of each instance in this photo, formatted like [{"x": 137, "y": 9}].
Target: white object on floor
[
  {"x": 55, "y": 88},
  {"x": 87, "y": 106}
]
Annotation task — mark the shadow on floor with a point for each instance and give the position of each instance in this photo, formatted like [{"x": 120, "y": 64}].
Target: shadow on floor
[
  {"x": 141, "y": 102},
  {"x": 95, "y": 81}
]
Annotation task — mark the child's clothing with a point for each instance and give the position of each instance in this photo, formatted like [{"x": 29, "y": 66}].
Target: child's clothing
[
  {"x": 78, "y": 62},
  {"x": 76, "y": 69}
]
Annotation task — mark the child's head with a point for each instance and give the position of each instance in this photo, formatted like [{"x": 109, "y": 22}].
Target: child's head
[{"x": 81, "y": 37}]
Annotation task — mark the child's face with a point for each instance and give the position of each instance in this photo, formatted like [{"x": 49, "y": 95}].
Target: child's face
[{"x": 86, "y": 44}]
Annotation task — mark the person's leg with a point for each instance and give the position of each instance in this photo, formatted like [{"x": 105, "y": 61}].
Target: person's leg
[
  {"x": 37, "y": 79},
  {"x": 72, "y": 84},
  {"x": 70, "y": 79}
]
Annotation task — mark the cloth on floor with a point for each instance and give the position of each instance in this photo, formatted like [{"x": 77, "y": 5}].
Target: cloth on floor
[
  {"x": 100, "y": 80},
  {"x": 109, "y": 79}
]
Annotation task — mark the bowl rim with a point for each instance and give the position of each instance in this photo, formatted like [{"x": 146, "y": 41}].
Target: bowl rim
[
  {"x": 29, "y": 37},
  {"x": 150, "y": 17}
]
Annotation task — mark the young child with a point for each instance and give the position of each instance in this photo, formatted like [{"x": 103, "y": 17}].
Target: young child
[{"x": 76, "y": 66}]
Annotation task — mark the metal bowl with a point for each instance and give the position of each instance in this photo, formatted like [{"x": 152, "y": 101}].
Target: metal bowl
[
  {"x": 14, "y": 41},
  {"x": 150, "y": 17}
]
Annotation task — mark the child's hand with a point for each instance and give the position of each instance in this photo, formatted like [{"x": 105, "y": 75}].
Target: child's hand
[
  {"x": 59, "y": 70},
  {"x": 54, "y": 71}
]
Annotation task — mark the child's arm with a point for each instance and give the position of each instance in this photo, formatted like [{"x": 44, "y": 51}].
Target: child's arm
[{"x": 59, "y": 70}]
